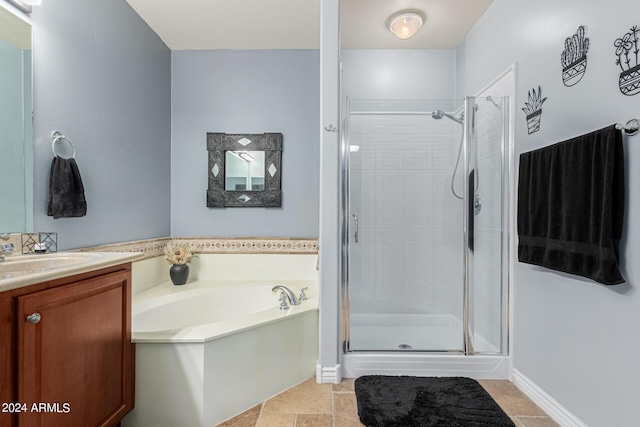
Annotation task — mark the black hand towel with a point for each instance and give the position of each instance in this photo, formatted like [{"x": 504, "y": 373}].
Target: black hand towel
[
  {"x": 66, "y": 192},
  {"x": 571, "y": 206}
]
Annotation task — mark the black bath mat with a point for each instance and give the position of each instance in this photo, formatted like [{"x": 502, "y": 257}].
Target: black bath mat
[{"x": 386, "y": 401}]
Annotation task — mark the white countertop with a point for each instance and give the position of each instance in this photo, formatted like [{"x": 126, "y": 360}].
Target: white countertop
[{"x": 18, "y": 271}]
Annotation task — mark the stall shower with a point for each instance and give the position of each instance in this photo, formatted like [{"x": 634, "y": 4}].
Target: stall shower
[{"x": 424, "y": 262}]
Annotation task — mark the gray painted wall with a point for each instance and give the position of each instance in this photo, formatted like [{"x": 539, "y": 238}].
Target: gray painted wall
[
  {"x": 245, "y": 92},
  {"x": 574, "y": 338},
  {"x": 398, "y": 74},
  {"x": 102, "y": 77}
]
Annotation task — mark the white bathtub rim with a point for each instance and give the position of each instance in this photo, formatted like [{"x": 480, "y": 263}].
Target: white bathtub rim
[
  {"x": 213, "y": 331},
  {"x": 165, "y": 292}
]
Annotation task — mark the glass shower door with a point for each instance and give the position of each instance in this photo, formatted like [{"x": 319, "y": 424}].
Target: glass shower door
[
  {"x": 404, "y": 227},
  {"x": 486, "y": 216},
  {"x": 425, "y": 214}
]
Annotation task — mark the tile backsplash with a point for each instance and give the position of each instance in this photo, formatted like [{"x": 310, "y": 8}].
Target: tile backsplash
[{"x": 212, "y": 245}]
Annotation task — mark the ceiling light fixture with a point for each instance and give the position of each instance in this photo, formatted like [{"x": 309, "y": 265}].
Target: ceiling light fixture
[
  {"x": 405, "y": 25},
  {"x": 246, "y": 156}
]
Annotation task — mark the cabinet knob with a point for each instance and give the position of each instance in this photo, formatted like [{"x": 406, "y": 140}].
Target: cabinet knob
[{"x": 34, "y": 318}]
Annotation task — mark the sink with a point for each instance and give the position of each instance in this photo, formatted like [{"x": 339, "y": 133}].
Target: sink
[
  {"x": 18, "y": 271},
  {"x": 19, "y": 265}
]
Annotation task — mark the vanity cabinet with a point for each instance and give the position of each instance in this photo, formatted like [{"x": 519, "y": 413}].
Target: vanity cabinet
[{"x": 67, "y": 345}]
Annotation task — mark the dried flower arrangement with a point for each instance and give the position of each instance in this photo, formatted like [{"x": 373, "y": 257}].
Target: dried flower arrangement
[{"x": 178, "y": 252}]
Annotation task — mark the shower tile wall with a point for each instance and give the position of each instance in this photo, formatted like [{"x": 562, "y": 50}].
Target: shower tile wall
[{"x": 409, "y": 255}]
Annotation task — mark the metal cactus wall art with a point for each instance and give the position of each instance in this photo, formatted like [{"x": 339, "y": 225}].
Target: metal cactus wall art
[
  {"x": 574, "y": 57},
  {"x": 533, "y": 110},
  {"x": 627, "y": 50}
]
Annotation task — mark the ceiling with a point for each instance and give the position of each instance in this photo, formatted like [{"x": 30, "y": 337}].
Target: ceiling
[{"x": 295, "y": 24}]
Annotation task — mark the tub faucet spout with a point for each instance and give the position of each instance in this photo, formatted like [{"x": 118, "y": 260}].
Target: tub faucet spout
[{"x": 290, "y": 296}]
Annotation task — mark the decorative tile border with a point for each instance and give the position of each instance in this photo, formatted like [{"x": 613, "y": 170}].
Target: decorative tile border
[
  {"x": 150, "y": 248},
  {"x": 253, "y": 245},
  {"x": 214, "y": 245}
]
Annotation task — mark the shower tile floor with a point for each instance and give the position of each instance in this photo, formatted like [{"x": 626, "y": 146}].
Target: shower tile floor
[{"x": 334, "y": 405}]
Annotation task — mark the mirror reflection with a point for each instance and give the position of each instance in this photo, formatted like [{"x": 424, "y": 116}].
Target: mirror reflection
[
  {"x": 16, "y": 157},
  {"x": 244, "y": 170}
]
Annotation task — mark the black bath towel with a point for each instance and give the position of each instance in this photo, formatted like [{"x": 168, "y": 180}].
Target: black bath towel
[
  {"x": 66, "y": 191},
  {"x": 571, "y": 206}
]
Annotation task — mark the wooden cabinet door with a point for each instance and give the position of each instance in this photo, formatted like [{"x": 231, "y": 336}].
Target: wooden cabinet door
[{"x": 75, "y": 363}]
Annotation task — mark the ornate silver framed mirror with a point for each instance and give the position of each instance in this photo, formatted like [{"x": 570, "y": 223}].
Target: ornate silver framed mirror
[{"x": 244, "y": 170}]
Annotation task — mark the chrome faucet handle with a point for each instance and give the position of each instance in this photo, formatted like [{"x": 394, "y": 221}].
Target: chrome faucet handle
[
  {"x": 4, "y": 236},
  {"x": 303, "y": 296},
  {"x": 283, "y": 302},
  {"x": 289, "y": 294}
]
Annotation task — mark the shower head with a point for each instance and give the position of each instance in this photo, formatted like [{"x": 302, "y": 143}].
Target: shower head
[
  {"x": 438, "y": 114},
  {"x": 490, "y": 99}
]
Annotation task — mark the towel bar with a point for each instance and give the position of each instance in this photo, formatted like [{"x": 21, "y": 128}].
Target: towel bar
[
  {"x": 631, "y": 128},
  {"x": 58, "y": 137}
]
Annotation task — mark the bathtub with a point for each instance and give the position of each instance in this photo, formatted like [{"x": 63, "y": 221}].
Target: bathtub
[
  {"x": 206, "y": 310},
  {"x": 213, "y": 348}
]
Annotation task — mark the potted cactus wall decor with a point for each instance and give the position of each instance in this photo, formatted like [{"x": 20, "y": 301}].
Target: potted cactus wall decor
[
  {"x": 627, "y": 50},
  {"x": 574, "y": 57},
  {"x": 533, "y": 110}
]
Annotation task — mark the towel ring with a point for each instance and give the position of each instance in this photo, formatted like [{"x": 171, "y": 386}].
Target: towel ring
[{"x": 58, "y": 137}]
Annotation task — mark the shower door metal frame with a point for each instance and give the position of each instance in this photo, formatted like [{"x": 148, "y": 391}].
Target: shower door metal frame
[
  {"x": 344, "y": 226},
  {"x": 467, "y": 318}
]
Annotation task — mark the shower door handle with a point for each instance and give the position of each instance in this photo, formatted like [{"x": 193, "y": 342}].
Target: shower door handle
[{"x": 355, "y": 226}]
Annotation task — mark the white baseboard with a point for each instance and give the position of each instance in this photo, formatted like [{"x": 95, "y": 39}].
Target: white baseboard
[
  {"x": 328, "y": 374},
  {"x": 548, "y": 404}
]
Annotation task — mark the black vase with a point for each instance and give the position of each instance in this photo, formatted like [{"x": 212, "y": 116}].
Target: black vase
[{"x": 179, "y": 274}]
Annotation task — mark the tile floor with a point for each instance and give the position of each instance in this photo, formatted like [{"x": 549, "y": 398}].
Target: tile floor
[{"x": 334, "y": 405}]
